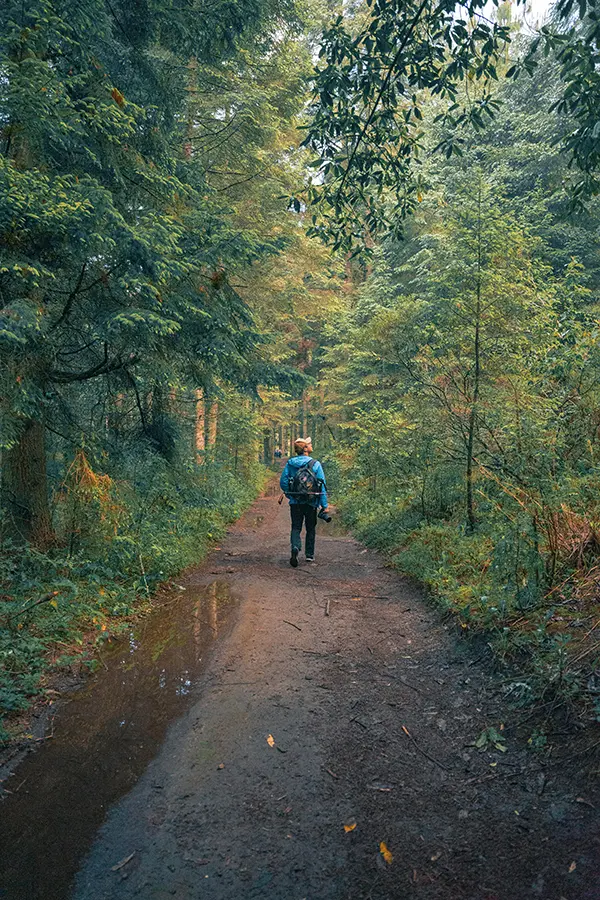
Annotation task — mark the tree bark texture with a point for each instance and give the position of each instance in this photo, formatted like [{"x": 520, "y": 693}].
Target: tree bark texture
[
  {"x": 471, "y": 518},
  {"x": 213, "y": 418},
  {"x": 200, "y": 424},
  {"x": 25, "y": 488}
]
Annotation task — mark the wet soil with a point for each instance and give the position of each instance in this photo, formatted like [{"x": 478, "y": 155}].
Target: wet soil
[
  {"x": 101, "y": 741},
  {"x": 337, "y": 713}
]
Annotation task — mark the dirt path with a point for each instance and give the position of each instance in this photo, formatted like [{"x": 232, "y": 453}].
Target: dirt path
[{"x": 372, "y": 709}]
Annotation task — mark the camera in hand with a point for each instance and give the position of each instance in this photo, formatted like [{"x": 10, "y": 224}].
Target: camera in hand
[{"x": 323, "y": 514}]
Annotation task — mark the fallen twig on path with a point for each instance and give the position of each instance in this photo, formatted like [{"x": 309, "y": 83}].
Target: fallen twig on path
[
  {"x": 45, "y": 599},
  {"x": 292, "y": 624},
  {"x": 405, "y": 683},
  {"x": 358, "y": 722},
  {"x": 45, "y": 737},
  {"x": 424, "y": 752},
  {"x": 563, "y": 759},
  {"x": 492, "y": 776},
  {"x": 329, "y": 772},
  {"x": 123, "y": 862},
  {"x": 327, "y": 607}
]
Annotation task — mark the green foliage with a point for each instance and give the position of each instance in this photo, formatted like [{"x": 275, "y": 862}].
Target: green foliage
[
  {"x": 146, "y": 153},
  {"x": 465, "y": 379},
  {"x": 167, "y": 522},
  {"x": 368, "y": 106},
  {"x": 386, "y": 68},
  {"x": 491, "y": 737}
]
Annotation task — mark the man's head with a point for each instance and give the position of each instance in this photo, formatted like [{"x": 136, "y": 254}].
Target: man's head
[{"x": 303, "y": 446}]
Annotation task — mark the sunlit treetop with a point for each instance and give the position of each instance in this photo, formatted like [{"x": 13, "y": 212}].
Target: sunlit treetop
[{"x": 381, "y": 63}]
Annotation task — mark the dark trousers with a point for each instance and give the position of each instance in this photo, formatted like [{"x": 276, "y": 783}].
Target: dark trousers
[{"x": 304, "y": 513}]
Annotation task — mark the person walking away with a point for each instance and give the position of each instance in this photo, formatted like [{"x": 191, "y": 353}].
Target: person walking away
[{"x": 303, "y": 483}]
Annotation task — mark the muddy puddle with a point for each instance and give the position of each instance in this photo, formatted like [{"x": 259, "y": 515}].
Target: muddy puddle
[{"x": 103, "y": 739}]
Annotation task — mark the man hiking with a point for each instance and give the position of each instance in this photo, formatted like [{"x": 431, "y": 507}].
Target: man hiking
[{"x": 303, "y": 483}]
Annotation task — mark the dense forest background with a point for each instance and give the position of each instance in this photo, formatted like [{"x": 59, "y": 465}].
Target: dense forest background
[{"x": 209, "y": 247}]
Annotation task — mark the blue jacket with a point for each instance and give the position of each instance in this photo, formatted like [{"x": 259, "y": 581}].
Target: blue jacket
[{"x": 295, "y": 463}]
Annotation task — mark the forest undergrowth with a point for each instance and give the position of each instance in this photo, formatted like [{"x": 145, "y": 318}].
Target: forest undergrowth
[
  {"x": 62, "y": 605},
  {"x": 544, "y": 648}
]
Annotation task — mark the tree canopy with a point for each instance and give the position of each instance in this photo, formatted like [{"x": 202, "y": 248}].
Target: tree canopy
[{"x": 223, "y": 225}]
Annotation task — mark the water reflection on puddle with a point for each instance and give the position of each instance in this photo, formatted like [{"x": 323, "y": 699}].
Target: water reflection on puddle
[{"x": 103, "y": 740}]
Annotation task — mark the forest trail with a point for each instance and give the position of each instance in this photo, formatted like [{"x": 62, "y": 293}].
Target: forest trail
[{"x": 372, "y": 709}]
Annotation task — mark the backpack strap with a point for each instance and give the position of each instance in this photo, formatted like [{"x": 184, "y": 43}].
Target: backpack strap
[{"x": 312, "y": 463}]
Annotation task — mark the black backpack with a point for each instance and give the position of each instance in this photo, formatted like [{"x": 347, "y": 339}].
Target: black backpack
[{"x": 304, "y": 484}]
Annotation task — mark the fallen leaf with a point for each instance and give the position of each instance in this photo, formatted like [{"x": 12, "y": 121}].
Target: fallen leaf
[
  {"x": 436, "y": 856},
  {"x": 270, "y": 740},
  {"x": 123, "y": 862},
  {"x": 221, "y": 766},
  {"x": 117, "y": 96},
  {"x": 572, "y": 867},
  {"x": 579, "y": 800},
  {"x": 349, "y": 826},
  {"x": 387, "y": 854}
]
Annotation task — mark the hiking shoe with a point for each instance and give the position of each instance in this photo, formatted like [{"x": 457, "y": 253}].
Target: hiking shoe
[
  {"x": 294, "y": 559},
  {"x": 310, "y": 559}
]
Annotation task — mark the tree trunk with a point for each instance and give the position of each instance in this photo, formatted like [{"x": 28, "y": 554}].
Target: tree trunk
[
  {"x": 25, "y": 488},
  {"x": 471, "y": 521},
  {"x": 199, "y": 433},
  {"x": 304, "y": 414},
  {"x": 213, "y": 416}
]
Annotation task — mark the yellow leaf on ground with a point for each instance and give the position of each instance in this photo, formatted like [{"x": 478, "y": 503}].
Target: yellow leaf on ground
[
  {"x": 349, "y": 826},
  {"x": 387, "y": 854},
  {"x": 270, "y": 740}
]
